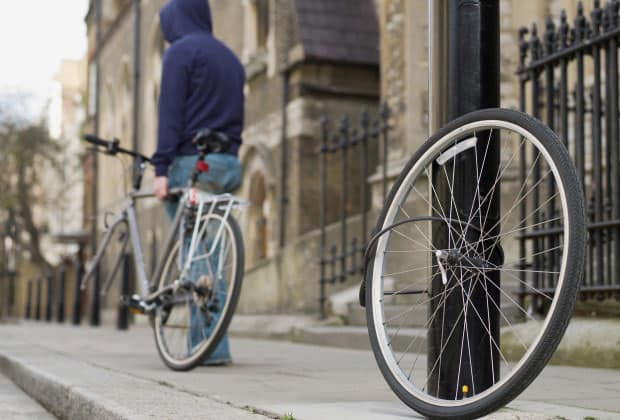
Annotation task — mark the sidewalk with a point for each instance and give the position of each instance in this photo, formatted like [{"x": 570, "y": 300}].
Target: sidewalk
[
  {"x": 101, "y": 373},
  {"x": 15, "y": 405}
]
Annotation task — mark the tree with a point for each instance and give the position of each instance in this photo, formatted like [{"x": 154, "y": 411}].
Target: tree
[{"x": 27, "y": 154}]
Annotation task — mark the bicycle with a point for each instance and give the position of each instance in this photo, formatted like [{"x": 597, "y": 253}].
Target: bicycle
[
  {"x": 193, "y": 292},
  {"x": 467, "y": 293}
]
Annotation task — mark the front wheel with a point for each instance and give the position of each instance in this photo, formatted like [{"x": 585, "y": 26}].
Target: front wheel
[
  {"x": 476, "y": 264},
  {"x": 191, "y": 321}
]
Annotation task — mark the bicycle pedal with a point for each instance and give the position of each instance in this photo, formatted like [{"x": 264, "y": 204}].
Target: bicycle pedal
[{"x": 135, "y": 304}]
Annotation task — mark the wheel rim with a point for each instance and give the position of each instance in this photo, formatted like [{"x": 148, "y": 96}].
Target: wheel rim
[
  {"x": 444, "y": 150},
  {"x": 174, "y": 331}
]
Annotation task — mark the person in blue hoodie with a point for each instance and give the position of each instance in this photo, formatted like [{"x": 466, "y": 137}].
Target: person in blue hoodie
[{"x": 202, "y": 87}]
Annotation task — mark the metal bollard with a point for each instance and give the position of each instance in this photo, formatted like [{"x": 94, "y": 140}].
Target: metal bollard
[
  {"x": 28, "y": 312},
  {"x": 122, "y": 321},
  {"x": 37, "y": 307},
  {"x": 60, "y": 301},
  {"x": 77, "y": 305},
  {"x": 49, "y": 279}
]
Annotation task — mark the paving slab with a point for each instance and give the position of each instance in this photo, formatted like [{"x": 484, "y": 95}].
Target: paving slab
[{"x": 269, "y": 377}]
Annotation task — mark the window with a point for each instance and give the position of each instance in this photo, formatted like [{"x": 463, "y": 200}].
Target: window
[
  {"x": 262, "y": 23},
  {"x": 257, "y": 20}
]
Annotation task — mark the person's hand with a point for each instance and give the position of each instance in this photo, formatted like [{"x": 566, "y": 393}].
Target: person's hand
[{"x": 161, "y": 187}]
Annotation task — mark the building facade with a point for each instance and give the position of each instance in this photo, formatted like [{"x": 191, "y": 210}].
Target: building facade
[{"x": 304, "y": 59}]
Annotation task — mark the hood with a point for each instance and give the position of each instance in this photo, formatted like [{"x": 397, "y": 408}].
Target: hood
[{"x": 182, "y": 17}]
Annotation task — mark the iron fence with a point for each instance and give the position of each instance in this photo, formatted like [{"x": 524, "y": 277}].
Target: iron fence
[
  {"x": 349, "y": 147},
  {"x": 569, "y": 79}
]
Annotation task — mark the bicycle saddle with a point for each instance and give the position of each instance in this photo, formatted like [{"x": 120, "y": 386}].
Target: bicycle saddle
[{"x": 209, "y": 141}]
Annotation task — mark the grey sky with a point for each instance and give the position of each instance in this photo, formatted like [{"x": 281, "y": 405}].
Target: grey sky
[{"x": 35, "y": 35}]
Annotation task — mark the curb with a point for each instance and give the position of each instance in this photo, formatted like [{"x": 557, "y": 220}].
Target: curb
[
  {"x": 63, "y": 400},
  {"x": 587, "y": 343}
]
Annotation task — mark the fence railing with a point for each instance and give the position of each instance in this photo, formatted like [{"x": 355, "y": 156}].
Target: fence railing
[
  {"x": 569, "y": 79},
  {"x": 350, "y": 149},
  {"x": 46, "y": 295}
]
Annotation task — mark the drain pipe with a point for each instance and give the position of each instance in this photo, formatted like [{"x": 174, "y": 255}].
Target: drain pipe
[
  {"x": 283, "y": 157},
  {"x": 95, "y": 307},
  {"x": 137, "y": 26}
]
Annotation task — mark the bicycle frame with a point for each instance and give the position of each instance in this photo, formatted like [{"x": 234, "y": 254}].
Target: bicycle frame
[{"x": 206, "y": 204}]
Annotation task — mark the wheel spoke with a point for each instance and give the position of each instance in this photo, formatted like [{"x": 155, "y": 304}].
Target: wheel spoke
[{"x": 468, "y": 268}]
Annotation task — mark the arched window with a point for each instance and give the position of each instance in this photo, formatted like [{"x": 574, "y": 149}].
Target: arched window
[{"x": 257, "y": 28}]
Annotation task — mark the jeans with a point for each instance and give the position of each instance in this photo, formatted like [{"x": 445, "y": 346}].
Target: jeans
[{"x": 224, "y": 175}]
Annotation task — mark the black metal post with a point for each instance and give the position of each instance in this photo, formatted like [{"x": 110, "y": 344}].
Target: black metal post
[
  {"x": 49, "y": 280},
  {"x": 562, "y": 44},
  {"x": 580, "y": 32},
  {"x": 385, "y": 129},
  {"x": 28, "y": 312},
  {"x": 122, "y": 321},
  {"x": 323, "y": 216},
  {"x": 76, "y": 317},
  {"x": 550, "y": 43},
  {"x": 344, "y": 167},
  {"x": 284, "y": 157},
  {"x": 613, "y": 154},
  {"x": 60, "y": 301},
  {"x": 95, "y": 302},
  {"x": 473, "y": 84},
  {"x": 535, "y": 49},
  {"x": 365, "y": 125},
  {"x": 597, "y": 137},
  {"x": 37, "y": 307},
  {"x": 523, "y": 48}
]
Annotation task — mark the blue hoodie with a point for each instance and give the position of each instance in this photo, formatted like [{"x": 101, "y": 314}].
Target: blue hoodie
[{"x": 202, "y": 83}]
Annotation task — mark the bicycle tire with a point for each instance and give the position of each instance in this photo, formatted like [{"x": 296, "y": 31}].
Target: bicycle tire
[
  {"x": 557, "y": 321},
  {"x": 227, "y": 313}
]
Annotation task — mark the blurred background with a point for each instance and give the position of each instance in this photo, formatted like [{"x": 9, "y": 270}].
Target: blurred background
[{"x": 348, "y": 75}]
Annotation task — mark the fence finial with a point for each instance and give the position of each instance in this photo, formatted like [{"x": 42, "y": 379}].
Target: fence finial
[
  {"x": 606, "y": 18},
  {"x": 581, "y": 24},
  {"x": 523, "y": 45},
  {"x": 597, "y": 17},
  {"x": 550, "y": 36},
  {"x": 563, "y": 31},
  {"x": 535, "y": 43}
]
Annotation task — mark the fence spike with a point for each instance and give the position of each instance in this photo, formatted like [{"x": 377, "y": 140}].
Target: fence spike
[
  {"x": 564, "y": 32},
  {"x": 344, "y": 132},
  {"x": 535, "y": 43},
  {"x": 606, "y": 14},
  {"x": 324, "y": 135},
  {"x": 581, "y": 24},
  {"x": 523, "y": 46},
  {"x": 614, "y": 7},
  {"x": 550, "y": 36},
  {"x": 365, "y": 119},
  {"x": 597, "y": 17}
]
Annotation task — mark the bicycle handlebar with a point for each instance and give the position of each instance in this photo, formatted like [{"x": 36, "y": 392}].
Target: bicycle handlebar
[{"x": 112, "y": 147}]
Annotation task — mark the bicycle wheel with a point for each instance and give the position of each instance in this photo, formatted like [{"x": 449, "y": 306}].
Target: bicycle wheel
[
  {"x": 475, "y": 267},
  {"x": 189, "y": 325}
]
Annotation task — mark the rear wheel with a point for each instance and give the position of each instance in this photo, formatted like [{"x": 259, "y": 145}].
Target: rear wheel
[
  {"x": 190, "y": 323},
  {"x": 465, "y": 301}
]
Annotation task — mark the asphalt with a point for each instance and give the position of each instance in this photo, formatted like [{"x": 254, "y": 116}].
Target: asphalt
[{"x": 82, "y": 372}]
